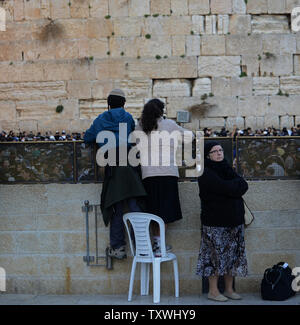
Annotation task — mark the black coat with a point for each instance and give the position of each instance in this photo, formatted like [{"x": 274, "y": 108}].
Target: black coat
[{"x": 221, "y": 197}]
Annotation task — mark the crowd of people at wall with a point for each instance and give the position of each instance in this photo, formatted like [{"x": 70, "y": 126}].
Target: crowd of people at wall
[{"x": 208, "y": 132}]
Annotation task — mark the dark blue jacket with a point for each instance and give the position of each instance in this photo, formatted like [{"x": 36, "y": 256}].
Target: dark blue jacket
[{"x": 109, "y": 121}]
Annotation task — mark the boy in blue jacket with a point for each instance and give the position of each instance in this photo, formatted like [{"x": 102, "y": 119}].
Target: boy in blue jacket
[{"x": 122, "y": 185}]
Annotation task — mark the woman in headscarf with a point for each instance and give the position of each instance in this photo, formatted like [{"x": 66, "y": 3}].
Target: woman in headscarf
[{"x": 222, "y": 251}]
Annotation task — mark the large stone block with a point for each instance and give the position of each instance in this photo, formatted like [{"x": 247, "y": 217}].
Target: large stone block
[
  {"x": 290, "y": 85},
  {"x": 79, "y": 89},
  {"x": 287, "y": 238},
  {"x": 171, "y": 88},
  {"x": 252, "y": 106},
  {"x": 160, "y": 7},
  {"x": 263, "y": 86},
  {"x": 198, "y": 24},
  {"x": 223, "y": 24},
  {"x": 39, "y": 109},
  {"x": 179, "y": 7},
  {"x": 79, "y": 9},
  {"x": 290, "y": 4},
  {"x": 135, "y": 88},
  {"x": 250, "y": 65},
  {"x": 221, "y": 6},
  {"x": 178, "y": 45},
  {"x": 59, "y": 9},
  {"x": 232, "y": 122},
  {"x": 278, "y": 65},
  {"x": 240, "y": 24},
  {"x": 210, "y": 24},
  {"x": 279, "y": 44},
  {"x": 199, "y": 7},
  {"x": 212, "y": 122},
  {"x": 234, "y": 86},
  {"x": 270, "y": 24},
  {"x": 59, "y": 70},
  {"x": 257, "y": 6},
  {"x": 168, "y": 25},
  {"x": 18, "y": 10},
  {"x": 157, "y": 45},
  {"x": 259, "y": 261},
  {"x": 97, "y": 48},
  {"x": 282, "y": 105},
  {"x": 32, "y": 10},
  {"x": 212, "y": 45},
  {"x": 118, "y": 8},
  {"x": 32, "y": 90},
  {"x": 90, "y": 109},
  {"x": 255, "y": 122},
  {"x": 22, "y": 71},
  {"x": 266, "y": 239},
  {"x": 163, "y": 68},
  {"x": 239, "y": 6},
  {"x": 101, "y": 89},
  {"x": 276, "y": 7},
  {"x": 201, "y": 86},
  {"x": 192, "y": 45},
  {"x": 239, "y": 44},
  {"x": 139, "y": 7},
  {"x": 128, "y": 26},
  {"x": 28, "y": 125},
  {"x": 98, "y": 8},
  {"x": 7, "y": 243},
  {"x": 7, "y": 109},
  {"x": 74, "y": 242},
  {"x": 97, "y": 28},
  {"x": 110, "y": 69},
  {"x": 296, "y": 64},
  {"x": 219, "y": 66},
  {"x": 286, "y": 121},
  {"x": 221, "y": 86},
  {"x": 127, "y": 46}
]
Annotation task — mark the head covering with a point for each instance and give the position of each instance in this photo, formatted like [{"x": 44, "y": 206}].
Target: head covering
[
  {"x": 117, "y": 92},
  {"x": 208, "y": 145},
  {"x": 222, "y": 168}
]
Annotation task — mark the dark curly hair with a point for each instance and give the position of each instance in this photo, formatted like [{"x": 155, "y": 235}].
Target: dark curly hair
[{"x": 152, "y": 111}]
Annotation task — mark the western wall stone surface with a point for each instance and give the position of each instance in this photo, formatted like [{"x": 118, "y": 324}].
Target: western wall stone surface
[
  {"x": 42, "y": 238},
  {"x": 78, "y": 50}
]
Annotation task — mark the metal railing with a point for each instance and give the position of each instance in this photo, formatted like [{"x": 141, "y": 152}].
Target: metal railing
[{"x": 75, "y": 162}]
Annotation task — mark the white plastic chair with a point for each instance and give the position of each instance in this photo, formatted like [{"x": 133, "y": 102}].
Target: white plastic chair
[{"x": 142, "y": 253}]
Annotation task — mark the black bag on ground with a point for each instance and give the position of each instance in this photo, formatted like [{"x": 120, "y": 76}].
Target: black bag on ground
[{"x": 277, "y": 283}]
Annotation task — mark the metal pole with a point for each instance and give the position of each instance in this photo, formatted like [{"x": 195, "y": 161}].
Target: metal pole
[{"x": 86, "y": 203}]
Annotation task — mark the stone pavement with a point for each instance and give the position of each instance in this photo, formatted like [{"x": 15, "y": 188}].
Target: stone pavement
[{"x": 31, "y": 299}]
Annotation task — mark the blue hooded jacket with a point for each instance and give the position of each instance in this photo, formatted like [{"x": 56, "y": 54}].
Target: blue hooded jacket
[{"x": 109, "y": 121}]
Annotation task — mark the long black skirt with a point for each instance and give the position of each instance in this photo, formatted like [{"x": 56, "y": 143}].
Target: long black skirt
[{"x": 163, "y": 198}]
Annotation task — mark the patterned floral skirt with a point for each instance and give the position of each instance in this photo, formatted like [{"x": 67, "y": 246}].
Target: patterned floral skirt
[{"x": 222, "y": 252}]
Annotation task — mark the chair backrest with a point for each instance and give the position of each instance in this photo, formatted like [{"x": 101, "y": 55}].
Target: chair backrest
[{"x": 140, "y": 222}]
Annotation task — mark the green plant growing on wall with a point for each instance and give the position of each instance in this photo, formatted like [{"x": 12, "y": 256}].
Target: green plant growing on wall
[
  {"x": 59, "y": 108},
  {"x": 157, "y": 57},
  {"x": 269, "y": 55},
  {"x": 107, "y": 17},
  {"x": 148, "y": 36},
  {"x": 243, "y": 74}
]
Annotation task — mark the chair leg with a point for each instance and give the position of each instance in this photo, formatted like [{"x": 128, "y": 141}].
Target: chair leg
[
  {"x": 131, "y": 279},
  {"x": 144, "y": 278},
  {"x": 176, "y": 277},
  {"x": 156, "y": 280},
  {"x": 148, "y": 278}
]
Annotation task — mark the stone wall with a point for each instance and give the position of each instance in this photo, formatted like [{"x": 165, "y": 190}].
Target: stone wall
[
  {"x": 42, "y": 239},
  {"x": 241, "y": 55}
]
